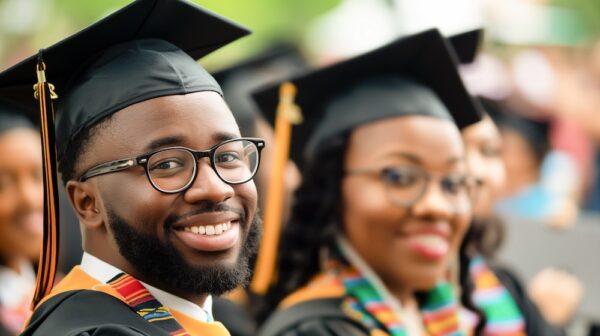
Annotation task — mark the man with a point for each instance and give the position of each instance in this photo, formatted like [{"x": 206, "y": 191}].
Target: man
[{"x": 155, "y": 169}]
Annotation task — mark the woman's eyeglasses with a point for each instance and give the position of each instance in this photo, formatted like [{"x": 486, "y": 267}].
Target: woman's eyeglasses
[{"x": 405, "y": 186}]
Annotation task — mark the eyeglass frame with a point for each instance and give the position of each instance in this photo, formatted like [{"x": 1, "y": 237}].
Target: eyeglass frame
[
  {"x": 379, "y": 171},
  {"x": 142, "y": 160}
]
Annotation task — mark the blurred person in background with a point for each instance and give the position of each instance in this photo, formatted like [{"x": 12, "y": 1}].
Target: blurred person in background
[
  {"x": 21, "y": 217},
  {"x": 377, "y": 217},
  {"x": 577, "y": 99},
  {"x": 236, "y": 309},
  {"x": 556, "y": 293},
  {"x": 534, "y": 169},
  {"x": 483, "y": 146}
]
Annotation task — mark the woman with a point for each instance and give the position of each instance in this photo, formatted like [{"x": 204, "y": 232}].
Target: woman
[
  {"x": 384, "y": 201},
  {"x": 21, "y": 217}
]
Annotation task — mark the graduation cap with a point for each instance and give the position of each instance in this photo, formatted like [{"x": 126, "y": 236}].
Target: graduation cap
[
  {"x": 534, "y": 131},
  {"x": 277, "y": 62},
  {"x": 390, "y": 81},
  {"x": 416, "y": 74},
  {"x": 142, "y": 51},
  {"x": 467, "y": 45}
]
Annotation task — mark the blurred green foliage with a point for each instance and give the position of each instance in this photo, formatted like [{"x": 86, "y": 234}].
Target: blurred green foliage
[
  {"x": 268, "y": 19},
  {"x": 588, "y": 11}
]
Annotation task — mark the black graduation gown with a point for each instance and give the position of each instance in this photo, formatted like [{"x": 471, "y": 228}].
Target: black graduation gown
[
  {"x": 234, "y": 317},
  {"x": 86, "y": 313},
  {"x": 4, "y": 331},
  {"x": 318, "y": 317},
  {"x": 535, "y": 324},
  {"x": 324, "y": 317}
]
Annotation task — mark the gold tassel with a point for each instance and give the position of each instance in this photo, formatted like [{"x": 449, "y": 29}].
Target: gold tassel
[
  {"x": 287, "y": 114},
  {"x": 44, "y": 93}
]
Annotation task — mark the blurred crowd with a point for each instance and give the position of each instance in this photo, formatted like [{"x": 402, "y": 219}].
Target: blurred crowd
[{"x": 535, "y": 155}]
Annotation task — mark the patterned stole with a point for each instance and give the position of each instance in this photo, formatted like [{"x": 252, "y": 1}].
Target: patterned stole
[
  {"x": 502, "y": 314},
  {"x": 145, "y": 305},
  {"x": 440, "y": 312}
]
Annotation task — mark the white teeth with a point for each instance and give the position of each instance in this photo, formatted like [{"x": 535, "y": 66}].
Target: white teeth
[{"x": 209, "y": 230}]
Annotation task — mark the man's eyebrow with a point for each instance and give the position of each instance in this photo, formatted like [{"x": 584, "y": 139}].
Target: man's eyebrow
[
  {"x": 177, "y": 140},
  {"x": 165, "y": 141},
  {"x": 224, "y": 136}
]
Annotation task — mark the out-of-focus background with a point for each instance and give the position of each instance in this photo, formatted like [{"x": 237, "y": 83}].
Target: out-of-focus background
[{"x": 541, "y": 58}]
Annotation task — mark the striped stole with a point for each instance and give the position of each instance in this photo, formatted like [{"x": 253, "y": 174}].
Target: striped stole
[
  {"x": 145, "y": 305},
  {"x": 440, "y": 312},
  {"x": 502, "y": 314}
]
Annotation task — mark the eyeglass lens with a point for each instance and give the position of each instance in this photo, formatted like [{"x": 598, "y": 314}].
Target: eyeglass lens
[
  {"x": 173, "y": 169},
  {"x": 406, "y": 185}
]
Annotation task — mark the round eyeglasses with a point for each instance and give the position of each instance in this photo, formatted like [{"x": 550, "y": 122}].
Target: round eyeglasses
[
  {"x": 174, "y": 169},
  {"x": 405, "y": 186}
]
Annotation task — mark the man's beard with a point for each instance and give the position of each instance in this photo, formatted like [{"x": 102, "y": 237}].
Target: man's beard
[{"x": 162, "y": 262}]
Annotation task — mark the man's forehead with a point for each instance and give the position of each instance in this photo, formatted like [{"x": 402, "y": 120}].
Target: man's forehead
[
  {"x": 193, "y": 107},
  {"x": 197, "y": 116}
]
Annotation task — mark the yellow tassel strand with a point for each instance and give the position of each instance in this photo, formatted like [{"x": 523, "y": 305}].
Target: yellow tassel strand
[{"x": 287, "y": 114}]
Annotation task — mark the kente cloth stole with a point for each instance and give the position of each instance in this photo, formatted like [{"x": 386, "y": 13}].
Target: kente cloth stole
[
  {"x": 440, "y": 313},
  {"x": 145, "y": 305},
  {"x": 502, "y": 314}
]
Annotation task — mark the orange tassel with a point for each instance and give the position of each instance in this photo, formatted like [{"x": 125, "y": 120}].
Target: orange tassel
[
  {"x": 287, "y": 114},
  {"x": 44, "y": 93}
]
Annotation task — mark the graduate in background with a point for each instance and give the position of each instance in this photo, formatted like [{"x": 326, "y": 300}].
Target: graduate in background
[
  {"x": 483, "y": 146},
  {"x": 282, "y": 60},
  {"x": 385, "y": 197},
  {"x": 21, "y": 216},
  {"x": 484, "y": 155},
  {"x": 154, "y": 167}
]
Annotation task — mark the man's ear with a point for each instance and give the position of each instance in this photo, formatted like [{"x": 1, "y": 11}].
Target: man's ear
[{"x": 86, "y": 203}]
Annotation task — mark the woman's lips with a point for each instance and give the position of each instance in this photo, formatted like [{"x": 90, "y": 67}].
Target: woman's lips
[
  {"x": 210, "y": 238},
  {"x": 430, "y": 246},
  {"x": 431, "y": 242}
]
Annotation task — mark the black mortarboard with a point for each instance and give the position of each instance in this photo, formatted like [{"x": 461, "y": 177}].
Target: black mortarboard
[
  {"x": 467, "y": 45},
  {"x": 416, "y": 74},
  {"x": 142, "y": 51},
  {"x": 12, "y": 118},
  {"x": 534, "y": 131},
  {"x": 277, "y": 62}
]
